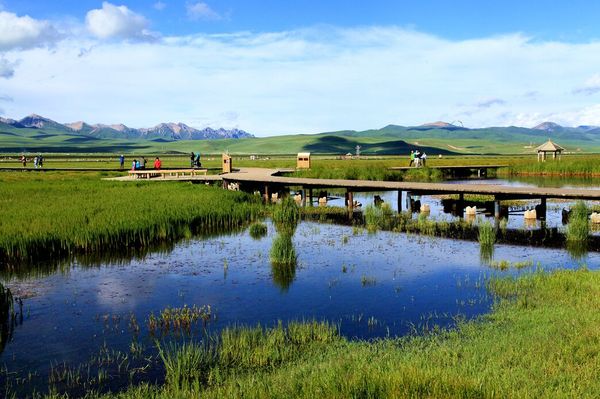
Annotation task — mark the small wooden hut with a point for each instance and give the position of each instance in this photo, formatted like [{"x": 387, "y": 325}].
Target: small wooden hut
[
  {"x": 303, "y": 160},
  {"x": 227, "y": 166},
  {"x": 549, "y": 146}
]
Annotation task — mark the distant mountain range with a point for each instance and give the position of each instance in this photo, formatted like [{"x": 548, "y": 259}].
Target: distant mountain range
[
  {"x": 160, "y": 132},
  {"x": 36, "y": 133}
]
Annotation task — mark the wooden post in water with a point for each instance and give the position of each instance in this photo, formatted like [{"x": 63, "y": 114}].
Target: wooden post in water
[
  {"x": 267, "y": 198},
  {"x": 399, "y": 201},
  {"x": 496, "y": 209},
  {"x": 408, "y": 201},
  {"x": 542, "y": 213},
  {"x": 310, "y": 197},
  {"x": 460, "y": 206}
]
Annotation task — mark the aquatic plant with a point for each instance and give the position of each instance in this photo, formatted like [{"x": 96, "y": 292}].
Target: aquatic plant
[
  {"x": 283, "y": 261},
  {"x": 283, "y": 251},
  {"x": 286, "y": 216},
  {"x": 578, "y": 230},
  {"x": 178, "y": 320},
  {"x": 379, "y": 217},
  {"x": 487, "y": 234},
  {"x": 257, "y": 230}
]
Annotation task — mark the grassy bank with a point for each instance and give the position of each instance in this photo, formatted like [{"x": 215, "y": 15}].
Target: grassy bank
[
  {"x": 55, "y": 214},
  {"x": 569, "y": 165},
  {"x": 542, "y": 340}
]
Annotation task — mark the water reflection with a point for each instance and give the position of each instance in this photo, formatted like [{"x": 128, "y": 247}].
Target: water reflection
[{"x": 9, "y": 318}]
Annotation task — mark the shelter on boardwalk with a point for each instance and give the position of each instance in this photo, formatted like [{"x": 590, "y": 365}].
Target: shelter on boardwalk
[
  {"x": 227, "y": 164},
  {"x": 549, "y": 146},
  {"x": 303, "y": 161}
]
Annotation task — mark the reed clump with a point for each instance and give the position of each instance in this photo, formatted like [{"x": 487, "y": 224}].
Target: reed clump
[
  {"x": 178, "y": 320},
  {"x": 257, "y": 230},
  {"x": 379, "y": 217},
  {"x": 487, "y": 234},
  {"x": 286, "y": 216},
  {"x": 283, "y": 251},
  {"x": 578, "y": 228}
]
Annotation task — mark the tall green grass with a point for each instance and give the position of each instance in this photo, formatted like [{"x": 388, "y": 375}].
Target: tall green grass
[
  {"x": 283, "y": 250},
  {"x": 569, "y": 165},
  {"x": 51, "y": 215},
  {"x": 189, "y": 366},
  {"x": 578, "y": 230},
  {"x": 286, "y": 216}
]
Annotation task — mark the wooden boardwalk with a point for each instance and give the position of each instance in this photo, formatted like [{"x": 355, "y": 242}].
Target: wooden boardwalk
[
  {"x": 260, "y": 177},
  {"x": 268, "y": 181},
  {"x": 270, "y": 177}
]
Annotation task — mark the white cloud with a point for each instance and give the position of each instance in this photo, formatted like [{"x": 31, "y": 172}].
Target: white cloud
[
  {"x": 159, "y": 5},
  {"x": 490, "y": 102},
  {"x": 7, "y": 68},
  {"x": 24, "y": 32},
  {"x": 113, "y": 21},
  {"x": 310, "y": 80},
  {"x": 201, "y": 10},
  {"x": 591, "y": 86}
]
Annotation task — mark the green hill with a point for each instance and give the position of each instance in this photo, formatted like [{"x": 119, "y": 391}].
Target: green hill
[{"x": 389, "y": 140}]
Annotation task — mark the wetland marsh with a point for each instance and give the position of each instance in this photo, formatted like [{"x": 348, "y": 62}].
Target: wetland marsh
[{"x": 180, "y": 308}]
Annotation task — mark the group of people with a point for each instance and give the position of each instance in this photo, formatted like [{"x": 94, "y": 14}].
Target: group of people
[
  {"x": 140, "y": 164},
  {"x": 417, "y": 158},
  {"x": 38, "y": 161},
  {"x": 195, "y": 160}
]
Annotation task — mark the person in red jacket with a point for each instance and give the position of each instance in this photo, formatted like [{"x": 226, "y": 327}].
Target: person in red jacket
[{"x": 157, "y": 163}]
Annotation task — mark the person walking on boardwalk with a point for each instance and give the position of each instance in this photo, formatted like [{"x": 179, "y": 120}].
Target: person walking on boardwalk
[
  {"x": 122, "y": 161},
  {"x": 134, "y": 164},
  {"x": 412, "y": 158},
  {"x": 143, "y": 163},
  {"x": 198, "y": 163},
  {"x": 24, "y": 161},
  {"x": 157, "y": 163},
  {"x": 424, "y": 159},
  {"x": 41, "y": 161},
  {"x": 192, "y": 159},
  {"x": 35, "y": 162}
]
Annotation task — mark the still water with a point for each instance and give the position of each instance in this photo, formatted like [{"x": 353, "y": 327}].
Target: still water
[{"x": 371, "y": 285}]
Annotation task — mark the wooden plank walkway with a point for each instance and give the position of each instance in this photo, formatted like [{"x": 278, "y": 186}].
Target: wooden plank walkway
[{"x": 270, "y": 177}]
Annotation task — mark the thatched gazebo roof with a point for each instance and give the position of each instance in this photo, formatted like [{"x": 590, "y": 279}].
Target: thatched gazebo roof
[{"x": 549, "y": 146}]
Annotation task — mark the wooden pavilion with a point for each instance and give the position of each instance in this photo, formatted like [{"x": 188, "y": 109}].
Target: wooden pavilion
[{"x": 549, "y": 146}]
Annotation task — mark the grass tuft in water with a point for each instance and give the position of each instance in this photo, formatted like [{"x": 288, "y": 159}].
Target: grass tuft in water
[
  {"x": 286, "y": 216},
  {"x": 258, "y": 230},
  {"x": 578, "y": 230}
]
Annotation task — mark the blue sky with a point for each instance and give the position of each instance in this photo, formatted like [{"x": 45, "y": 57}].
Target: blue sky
[
  {"x": 279, "y": 67},
  {"x": 575, "y": 20}
]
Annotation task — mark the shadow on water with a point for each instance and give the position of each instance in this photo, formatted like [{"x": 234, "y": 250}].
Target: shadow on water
[{"x": 9, "y": 317}]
